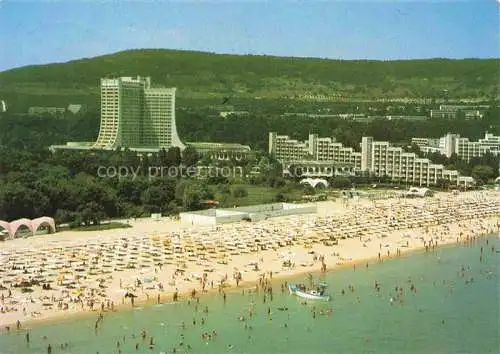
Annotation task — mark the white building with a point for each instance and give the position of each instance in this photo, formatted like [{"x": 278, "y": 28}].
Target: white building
[
  {"x": 288, "y": 150},
  {"x": 447, "y": 111},
  {"x": 76, "y": 108},
  {"x": 134, "y": 114},
  {"x": 465, "y": 149},
  {"x": 140, "y": 117},
  {"x": 398, "y": 165},
  {"x": 213, "y": 217},
  {"x": 378, "y": 158}
]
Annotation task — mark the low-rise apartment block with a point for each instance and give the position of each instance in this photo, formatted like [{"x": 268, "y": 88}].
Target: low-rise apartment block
[
  {"x": 454, "y": 111},
  {"x": 53, "y": 111},
  {"x": 408, "y": 167},
  {"x": 315, "y": 148},
  {"x": 463, "y": 147},
  {"x": 377, "y": 158}
]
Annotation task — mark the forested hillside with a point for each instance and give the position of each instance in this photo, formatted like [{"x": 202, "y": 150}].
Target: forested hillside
[{"x": 199, "y": 75}]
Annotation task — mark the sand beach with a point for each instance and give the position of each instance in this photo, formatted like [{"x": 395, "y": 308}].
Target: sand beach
[{"x": 74, "y": 273}]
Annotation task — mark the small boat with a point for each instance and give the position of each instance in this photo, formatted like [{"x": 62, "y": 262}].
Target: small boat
[{"x": 308, "y": 294}]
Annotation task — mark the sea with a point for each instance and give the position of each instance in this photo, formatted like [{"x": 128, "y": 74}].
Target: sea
[{"x": 453, "y": 308}]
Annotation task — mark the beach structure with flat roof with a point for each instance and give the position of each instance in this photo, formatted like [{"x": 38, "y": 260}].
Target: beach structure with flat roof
[{"x": 248, "y": 213}]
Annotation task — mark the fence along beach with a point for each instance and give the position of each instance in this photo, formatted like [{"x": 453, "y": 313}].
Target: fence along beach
[{"x": 70, "y": 273}]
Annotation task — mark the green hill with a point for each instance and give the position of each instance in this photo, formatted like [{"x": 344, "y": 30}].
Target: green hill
[{"x": 200, "y": 75}]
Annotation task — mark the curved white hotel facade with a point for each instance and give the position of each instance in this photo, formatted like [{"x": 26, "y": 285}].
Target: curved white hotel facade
[{"x": 133, "y": 114}]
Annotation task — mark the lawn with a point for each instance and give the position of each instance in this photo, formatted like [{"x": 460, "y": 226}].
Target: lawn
[{"x": 256, "y": 195}]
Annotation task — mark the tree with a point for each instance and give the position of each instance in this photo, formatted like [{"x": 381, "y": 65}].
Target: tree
[
  {"x": 217, "y": 179},
  {"x": 90, "y": 213},
  {"x": 273, "y": 173},
  {"x": 264, "y": 165},
  {"x": 437, "y": 157},
  {"x": 192, "y": 199},
  {"x": 275, "y": 181},
  {"x": 194, "y": 194},
  {"x": 190, "y": 156},
  {"x": 63, "y": 216},
  {"x": 180, "y": 188},
  {"x": 443, "y": 183},
  {"x": 174, "y": 156},
  {"x": 130, "y": 191},
  {"x": 157, "y": 199},
  {"x": 206, "y": 160},
  {"x": 240, "y": 192},
  {"x": 88, "y": 189},
  {"x": 482, "y": 173},
  {"x": 223, "y": 188},
  {"x": 308, "y": 189},
  {"x": 163, "y": 159},
  {"x": 340, "y": 182},
  {"x": 415, "y": 149},
  {"x": 279, "y": 197},
  {"x": 21, "y": 202}
]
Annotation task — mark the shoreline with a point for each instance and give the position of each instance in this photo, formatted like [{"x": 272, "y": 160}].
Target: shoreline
[
  {"x": 384, "y": 230},
  {"x": 62, "y": 317}
]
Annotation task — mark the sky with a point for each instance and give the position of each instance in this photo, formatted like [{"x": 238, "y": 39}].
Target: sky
[{"x": 39, "y": 32}]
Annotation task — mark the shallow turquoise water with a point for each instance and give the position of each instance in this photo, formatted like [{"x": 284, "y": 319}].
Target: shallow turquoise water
[{"x": 435, "y": 319}]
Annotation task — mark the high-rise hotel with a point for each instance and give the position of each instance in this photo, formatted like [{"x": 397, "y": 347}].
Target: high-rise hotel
[
  {"x": 135, "y": 115},
  {"x": 139, "y": 117}
]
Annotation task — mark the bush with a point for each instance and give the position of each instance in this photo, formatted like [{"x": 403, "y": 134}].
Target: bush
[
  {"x": 256, "y": 180},
  {"x": 240, "y": 192},
  {"x": 74, "y": 224},
  {"x": 275, "y": 182},
  {"x": 309, "y": 190},
  {"x": 223, "y": 188},
  {"x": 340, "y": 182}
]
